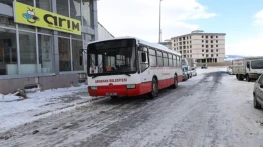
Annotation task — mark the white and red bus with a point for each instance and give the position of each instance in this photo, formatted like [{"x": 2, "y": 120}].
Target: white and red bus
[{"x": 131, "y": 67}]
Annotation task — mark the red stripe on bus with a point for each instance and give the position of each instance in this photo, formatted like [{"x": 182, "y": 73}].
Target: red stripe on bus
[{"x": 140, "y": 89}]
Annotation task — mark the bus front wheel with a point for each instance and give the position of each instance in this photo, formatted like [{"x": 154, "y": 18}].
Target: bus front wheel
[{"x": 154, "y": 92}]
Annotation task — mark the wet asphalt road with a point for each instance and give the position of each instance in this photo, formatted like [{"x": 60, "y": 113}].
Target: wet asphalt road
[{"x": 207, "y": 110}]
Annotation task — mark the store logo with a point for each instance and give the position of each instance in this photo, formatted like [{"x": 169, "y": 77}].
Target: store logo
[{"x": 30, "y": 16}]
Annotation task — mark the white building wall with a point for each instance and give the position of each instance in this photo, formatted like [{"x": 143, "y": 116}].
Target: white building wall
[
  {"x": 194, "y": 46},
  {"x": 103, "y": 33}
]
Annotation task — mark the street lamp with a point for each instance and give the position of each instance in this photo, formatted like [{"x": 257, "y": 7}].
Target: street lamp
[{"x": 159, "y": 21}]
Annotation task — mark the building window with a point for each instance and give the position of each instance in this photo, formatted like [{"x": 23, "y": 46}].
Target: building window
[
  {"x": 77, "y": 56},
  {"x": 28, "y": 2},
  {"x": 45, "y": 47},
  {"x": 187, "y": 38},
  {"x": 7, "y": 21},
  {"x": 212, "y": 50},
  {"x": 206, "y": 55},
  {"x": 28, "y": 56},
  {"x": 217, "y": 55},
  {"x": 216, "y": 36},
  {"x": 216, "y": 45},
  {"x": 212, "y": 55},
  {"x": 44, "y": 4},
  {"x": 64, "y": 54},
  {"x": 202, "y": 41},
  {"x": 190, "y": 38},
  {"x": 202, "y": 36},
  {"x": 216, "y": 41},
  {"x": 203, "y": 55},
  {"x": 211, "y": 41},
  {"x": 212, "y": 46},
  {"x": 206, "y": 37},
  {"x": 86, "y": 12},
  {"x": 206, "y": 46},
  {"x": 207, "y": 51},
  {"x": 206, "y": 41},
  {"x": 190, "y": 46},
  {"x": 187, "y": 47},
  {"x": 191, "y": 56},
  {"x": 202, "y": 45},
  {"x": 8, "y": 52},
  {"x": 62, "y": 7},
  {"x": 202, "y": 50},
  {"x": 211, "y": 37},
  {"x": 75, "y": 9},
  {"x": 216, "y": 50},
  {"x": 190, "y": 41},
  {"x": 190, "y": 51}
]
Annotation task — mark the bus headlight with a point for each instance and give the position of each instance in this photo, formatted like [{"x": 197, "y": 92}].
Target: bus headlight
[
  {"x": 93, "y": 87},
  {"x": 131, "y": 86}
]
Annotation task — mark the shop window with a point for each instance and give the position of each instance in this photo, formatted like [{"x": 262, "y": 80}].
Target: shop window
[
  {"x": 76, "y": 36},
  {"x": 77, "y": 55},
  {"x": 62, "y": 7},
  {"x": 8, "y": 52},
  {"x": 46, "y": 56},
  {"x": 64, "y": 54},
  {"x": 86, "y": 12},
  {"x": 63, "y": 34},
  {"x": 28, "y": 57}
]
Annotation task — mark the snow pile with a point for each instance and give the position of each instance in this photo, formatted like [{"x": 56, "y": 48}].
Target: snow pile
[
  {"x": 16, "y": 111},
  {"x": 9, "y": 98}
]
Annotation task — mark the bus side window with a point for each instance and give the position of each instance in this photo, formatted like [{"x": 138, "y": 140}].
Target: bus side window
[
  {"x": 159, "y": 59},
  {"x": 144, "y": 59},
  {"x": 152, "y": 57},
  {"x": 175, "y": 61}
]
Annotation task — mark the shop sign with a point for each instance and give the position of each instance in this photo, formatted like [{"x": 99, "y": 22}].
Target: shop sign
[{"x": 28, "y": 15}]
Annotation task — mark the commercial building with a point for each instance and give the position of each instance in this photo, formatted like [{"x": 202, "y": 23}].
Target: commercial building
[
  {"x": 204, "y": 47},
  {"x": 40, "y": 42}
]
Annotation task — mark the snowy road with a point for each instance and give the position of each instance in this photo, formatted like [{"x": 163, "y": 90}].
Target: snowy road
[{"x": 212, "y": 109}]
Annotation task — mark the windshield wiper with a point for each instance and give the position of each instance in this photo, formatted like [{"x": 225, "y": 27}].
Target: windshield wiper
[
  {"x": 94, "y": 77},
  {"x": 128, "y": 75}
]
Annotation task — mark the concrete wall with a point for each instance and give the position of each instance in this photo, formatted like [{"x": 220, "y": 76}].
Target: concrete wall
[
  {"x": 45, "y": 82},
  {"x": 216, "y": 64}
]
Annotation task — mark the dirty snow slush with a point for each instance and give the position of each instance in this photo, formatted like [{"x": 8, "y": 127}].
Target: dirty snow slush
[{"x": 212, "y": 109}]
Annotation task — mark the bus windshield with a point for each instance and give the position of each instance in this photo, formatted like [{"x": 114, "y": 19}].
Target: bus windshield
[
  {"x": 257, "y": 64},
  {"x": 112, "y": 57}
]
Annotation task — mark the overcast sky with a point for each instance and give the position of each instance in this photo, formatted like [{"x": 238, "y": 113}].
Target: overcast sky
[{"x": 242, "y": 23}]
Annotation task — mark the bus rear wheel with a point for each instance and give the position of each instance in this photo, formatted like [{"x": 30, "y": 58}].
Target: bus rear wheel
[
  {"x": 175, "y": 85},
  {"x": 154, "y": 92}
]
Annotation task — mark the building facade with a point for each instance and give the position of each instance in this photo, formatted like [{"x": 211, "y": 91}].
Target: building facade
[
  {"x": 204, "y": 47},
  {"x": 47, "y": 54}
]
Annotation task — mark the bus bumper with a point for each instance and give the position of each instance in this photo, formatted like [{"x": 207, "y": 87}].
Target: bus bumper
[{"x": 121, "y": 90}]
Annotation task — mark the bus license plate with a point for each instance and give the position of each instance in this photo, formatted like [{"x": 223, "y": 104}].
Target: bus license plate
[{"x": 111, "y": 94}]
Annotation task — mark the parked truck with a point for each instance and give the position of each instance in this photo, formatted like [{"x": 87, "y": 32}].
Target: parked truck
[{"x": 248, "y": 68}]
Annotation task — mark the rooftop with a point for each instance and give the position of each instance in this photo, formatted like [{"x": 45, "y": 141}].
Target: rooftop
[{"x": 199, "y": 32}]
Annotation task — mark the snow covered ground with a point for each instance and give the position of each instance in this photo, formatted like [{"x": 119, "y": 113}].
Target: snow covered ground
[
  {"x": 211, "y": 109},
  {"x": 16, "y": 111}
]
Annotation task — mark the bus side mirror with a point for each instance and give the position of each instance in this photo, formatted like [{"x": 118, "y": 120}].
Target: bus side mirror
[{"x": 143, "y": 57}]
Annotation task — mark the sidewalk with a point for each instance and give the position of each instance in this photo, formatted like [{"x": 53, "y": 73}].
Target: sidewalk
[{"x": 16, "y": 111}]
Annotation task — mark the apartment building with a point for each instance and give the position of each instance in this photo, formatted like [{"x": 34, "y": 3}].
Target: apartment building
[{"x": 204, "y": 47}]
